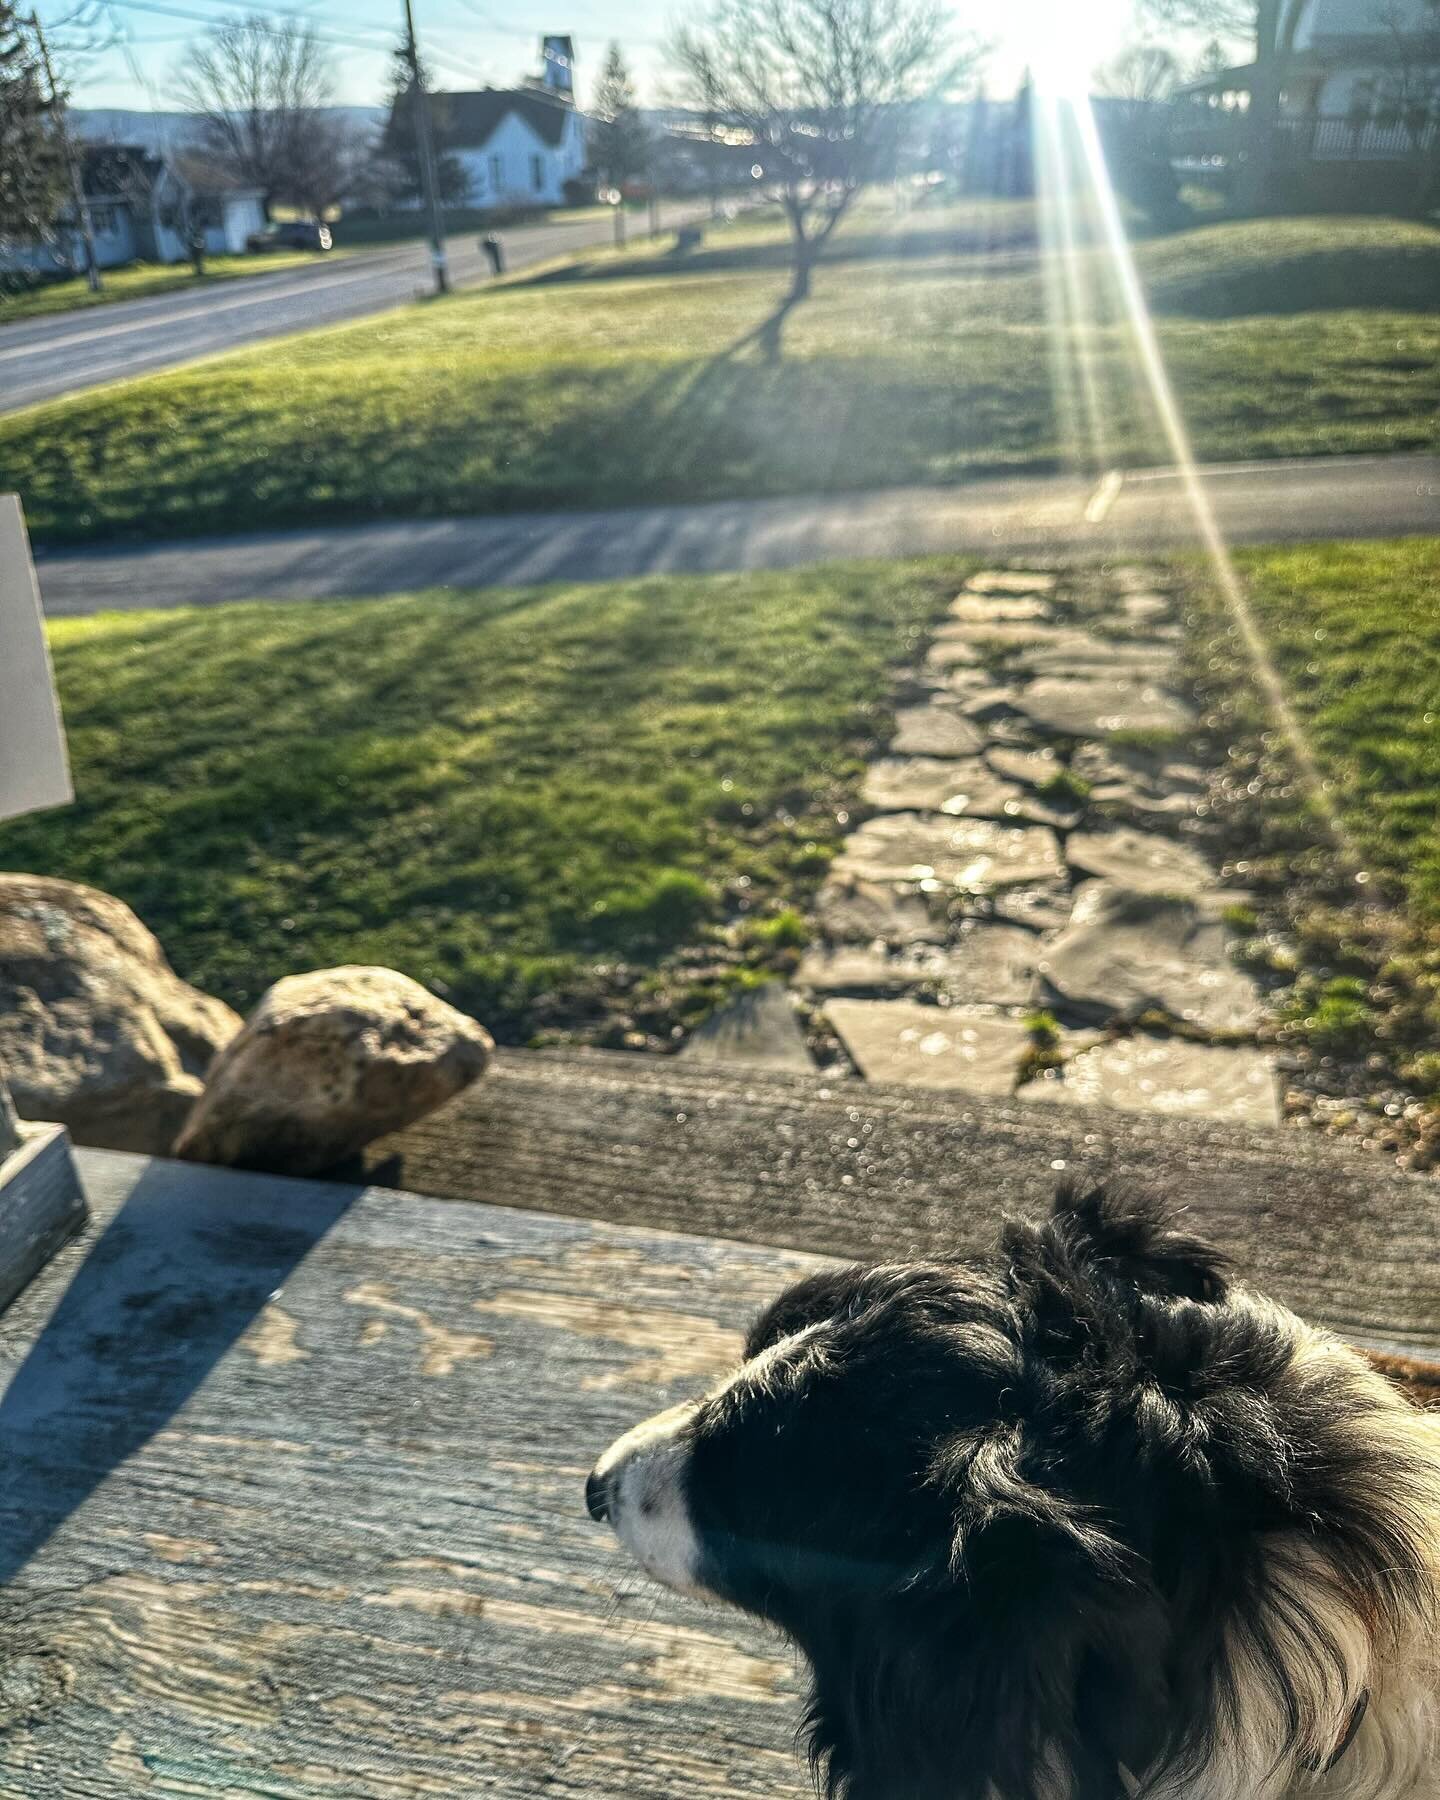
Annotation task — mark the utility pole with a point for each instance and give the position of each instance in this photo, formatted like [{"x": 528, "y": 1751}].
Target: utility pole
[
  {"x": 72, "y": 161},
  {"x": 424, "y": 143}
]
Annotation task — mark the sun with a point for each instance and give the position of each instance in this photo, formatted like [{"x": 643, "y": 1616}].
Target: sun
[{"x": 1059, "y": 42}]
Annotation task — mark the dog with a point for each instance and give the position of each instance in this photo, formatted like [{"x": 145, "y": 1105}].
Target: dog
[{"x": 1087, "y": 1519}]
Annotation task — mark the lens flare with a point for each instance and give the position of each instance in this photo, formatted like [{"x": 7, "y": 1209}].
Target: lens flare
[{"x": 1074, "y": 184}]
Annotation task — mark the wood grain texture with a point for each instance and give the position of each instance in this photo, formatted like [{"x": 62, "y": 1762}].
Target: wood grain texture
[
  {"x": 291, "y": 1487},
  {"x": 291, "y": 1505},
  {"x": 41, "y": 1203},
  {"x": 856, "y": 1170}
]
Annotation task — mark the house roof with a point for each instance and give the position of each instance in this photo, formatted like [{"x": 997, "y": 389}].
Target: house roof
[
  {"x": 203, "y": 175},
  {"x": 468, "y": 120},
  {"x": 118, "y": 171},
  {"x": 127, "y": 171}
]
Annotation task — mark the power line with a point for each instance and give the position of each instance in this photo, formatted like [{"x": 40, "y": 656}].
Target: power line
[
  {"x": 331, "y": 39},
  {"x": 494, "y": 25}
]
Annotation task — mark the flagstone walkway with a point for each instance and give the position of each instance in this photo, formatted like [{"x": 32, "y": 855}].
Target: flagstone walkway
[{"x": 1031, "y": 905}]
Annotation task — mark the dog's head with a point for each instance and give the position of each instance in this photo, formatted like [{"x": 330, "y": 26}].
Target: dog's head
[{"x": 1081, "y": 1507}]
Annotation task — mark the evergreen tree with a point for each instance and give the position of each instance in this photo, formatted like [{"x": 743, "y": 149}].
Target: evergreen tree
[
  {"x": 619, "y": 142},
  {"x": 32, "y": 162},
  {"x": 401, "y": 145}
]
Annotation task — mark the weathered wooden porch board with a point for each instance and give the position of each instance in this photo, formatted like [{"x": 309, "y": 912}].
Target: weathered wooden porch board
[
  {"x": 291, "y": 1505},
  {"x": 853, "y": 1169}
]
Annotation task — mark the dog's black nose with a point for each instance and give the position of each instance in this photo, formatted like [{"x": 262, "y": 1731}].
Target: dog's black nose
[{"x": 597, "y": 1498}]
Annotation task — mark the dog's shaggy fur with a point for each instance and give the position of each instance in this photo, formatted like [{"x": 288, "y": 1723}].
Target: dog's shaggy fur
[{"x": 1084, "y": 1520}]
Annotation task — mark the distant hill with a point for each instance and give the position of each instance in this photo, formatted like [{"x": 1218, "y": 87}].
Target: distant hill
[{"x": 157, "y": 131}]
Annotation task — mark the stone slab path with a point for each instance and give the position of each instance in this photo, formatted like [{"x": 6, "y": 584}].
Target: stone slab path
[{"x": 1031, "y": 906}]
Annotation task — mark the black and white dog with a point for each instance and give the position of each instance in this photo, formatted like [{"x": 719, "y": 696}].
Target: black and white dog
[{"x": 1084, "y": 1520}]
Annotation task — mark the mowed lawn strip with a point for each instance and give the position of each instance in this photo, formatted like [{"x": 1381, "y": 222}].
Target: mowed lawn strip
[
  {"x": 143, "y": 281},
  {"x": 924, "y": 355},
  {"x": 1354, "y": 630},
  {"x": 505, "y": 794}
]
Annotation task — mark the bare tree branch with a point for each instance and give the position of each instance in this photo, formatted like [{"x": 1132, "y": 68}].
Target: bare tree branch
[
  {"x": 824, "y": 89},
  {"x": 259, "y": 85}
]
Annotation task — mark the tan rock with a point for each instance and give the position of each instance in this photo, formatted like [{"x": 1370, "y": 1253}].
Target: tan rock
[
  {"x": 1125, "y": 954},
  {"x": 97, "y": 1032},
  {"x": 930, "y": 1046},
  {"x": 1012, "y": 581},
  {"x": 327, "y": 1062},
  {"x": 1167, "y": 1076},
  {"x": 977, "y": 855}
]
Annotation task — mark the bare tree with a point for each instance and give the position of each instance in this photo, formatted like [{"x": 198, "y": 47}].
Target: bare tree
[
  {"x": 1141, "y": 76},
  {"x": 824, "y": 89},
  {"x": 259, "y": 85},
  {"x": 328, "y": 157}
]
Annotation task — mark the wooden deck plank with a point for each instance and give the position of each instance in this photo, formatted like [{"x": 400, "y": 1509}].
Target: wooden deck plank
[
  {"x": 291, "y": 1505},
  {"x": 853, "y": 1169}
]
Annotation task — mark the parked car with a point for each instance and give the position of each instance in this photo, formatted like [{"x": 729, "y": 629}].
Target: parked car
[{"x": 293, "y": 234}]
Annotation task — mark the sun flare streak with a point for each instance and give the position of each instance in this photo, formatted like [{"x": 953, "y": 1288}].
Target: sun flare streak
[{"x": 1065, "y": 119}]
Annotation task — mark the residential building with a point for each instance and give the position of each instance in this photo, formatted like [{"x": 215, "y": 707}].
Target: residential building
[
  {"x": 1358, "y": 121},
  {"x": 516, "y": 146},
  {"x": 143, "y": 206}
]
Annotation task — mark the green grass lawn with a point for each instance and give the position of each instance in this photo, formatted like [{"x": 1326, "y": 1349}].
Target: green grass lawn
[
  {"x": 923, "y": 356},
  {"x": 142, "y": 281},
  {"x": 1352, "y": 629},
  {"x": 529, "y": 798}
]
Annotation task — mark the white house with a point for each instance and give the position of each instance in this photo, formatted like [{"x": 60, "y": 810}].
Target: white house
[
  {"x": 147, "y": 206},
  {"x": 517, "y": 146}
]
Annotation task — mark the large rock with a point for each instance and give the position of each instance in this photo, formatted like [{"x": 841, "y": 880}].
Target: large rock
[
  {"x": 1094, "y": 659},
  {"x": 986, "y": 609},
  {"x": 1094, "y": 708},
  {"x": 326, "y": 1062},
  {"x": 1141, "y": 861},
  {"x": 864, "y": 912},
  {"x": 758, "y": 1027},
  {"x": 97, "y": 1032},
  {"x": 1170, "y": 1077},
  {"x": 974, "y": 854},
  {"x": 1125, "y": 954},
  {"x": 986, "y": 964},
  {"x": 934, "y": 731},
  {"x": 942, "y": 784},
  {"x": 1012, "y": 581},
  {"x": 931, "y": 1046}
]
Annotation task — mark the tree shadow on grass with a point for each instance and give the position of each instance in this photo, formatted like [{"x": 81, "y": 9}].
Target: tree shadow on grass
[{"x": 901, "y": 245}]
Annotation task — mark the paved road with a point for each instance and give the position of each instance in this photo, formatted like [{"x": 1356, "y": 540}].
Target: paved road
[
  {"x": 43, "y": 358},
  {"x": 1140, "y": 512}
]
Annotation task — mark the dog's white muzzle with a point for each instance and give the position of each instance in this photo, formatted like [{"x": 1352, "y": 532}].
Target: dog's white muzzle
[{"x": 637, "y": 1488}]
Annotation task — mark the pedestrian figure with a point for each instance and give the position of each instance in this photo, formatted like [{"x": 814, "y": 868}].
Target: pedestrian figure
[
  {"x": 495, "y": 251},
  {"x": 195, "y": 243}
]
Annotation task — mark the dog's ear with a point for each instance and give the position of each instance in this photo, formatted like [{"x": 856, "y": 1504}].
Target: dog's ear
[
  {"x": 805, "y": 1302},
  {"x": 1125, "y": 1238}
]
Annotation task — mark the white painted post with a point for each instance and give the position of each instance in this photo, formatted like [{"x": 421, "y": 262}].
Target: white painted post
[
  {"x": 41, "y": 1203},
  {"x": 34, "y": 772}
]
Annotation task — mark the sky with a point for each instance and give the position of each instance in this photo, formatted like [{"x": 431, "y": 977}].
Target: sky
[{"x": 474, "y": 43}]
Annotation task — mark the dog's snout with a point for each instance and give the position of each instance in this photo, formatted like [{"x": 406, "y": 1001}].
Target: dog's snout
[
  {"x": 597, "y": 1497},
  {"x": 638, "y": 1489}
]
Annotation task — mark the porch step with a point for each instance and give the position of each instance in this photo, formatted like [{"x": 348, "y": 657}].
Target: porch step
[{"x": 862, "y": 1170}]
